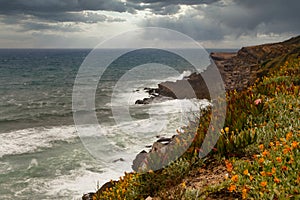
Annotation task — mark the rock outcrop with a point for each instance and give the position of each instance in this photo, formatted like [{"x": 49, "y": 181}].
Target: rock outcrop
[{"x": 238, "y": 70}]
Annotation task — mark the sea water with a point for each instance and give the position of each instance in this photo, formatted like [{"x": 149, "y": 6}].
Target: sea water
[{"x": 41, "y": 153}]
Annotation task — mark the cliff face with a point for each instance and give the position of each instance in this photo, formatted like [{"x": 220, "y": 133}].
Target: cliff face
[{"x": 238, "y": 70}]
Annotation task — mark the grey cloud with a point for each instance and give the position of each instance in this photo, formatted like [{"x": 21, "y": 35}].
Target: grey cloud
[
  {"x": 32, "y": 26},
  {"x": 165, "y": 7},
  {"x": 268, "y": 16},
  {"x": 191, "y": 26},
  {"x": 88, "y": 17},
  {"x": 13, "y": 12},
  {"x": 23, "y": 6},
  {"x": 232, "y": 19}
]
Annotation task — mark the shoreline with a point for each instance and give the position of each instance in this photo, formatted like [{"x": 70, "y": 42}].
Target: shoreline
[{"x": 240, "y": 70}]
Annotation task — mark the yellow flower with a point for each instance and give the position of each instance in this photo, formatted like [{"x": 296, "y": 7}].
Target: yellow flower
[
  {"x": 246, "y": 172},
  {"x": 222, "y": 131},
  {"x": 183, "y": 184},
  {"x": 235, "y": 178},
  {"x": 227, "y": 129},
  {"x": 232, "y": 188},
  {"x": 271, "y": 144},
  {"x": 264, "y": 183}
]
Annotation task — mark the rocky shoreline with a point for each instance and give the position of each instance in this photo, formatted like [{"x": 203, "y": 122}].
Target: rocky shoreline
[{"x": 238, "y": 71}]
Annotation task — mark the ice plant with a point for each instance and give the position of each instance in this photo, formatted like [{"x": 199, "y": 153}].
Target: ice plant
[{"x": 257, "y": 101}]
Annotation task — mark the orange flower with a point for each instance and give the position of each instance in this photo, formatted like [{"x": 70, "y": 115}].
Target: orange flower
[
  {"x": 235, "y": 178},
  {"x": 278, "y": 159},
  {"x": 228, "y": 166},
  {"x": 273, "y": 170},
  {"x": 291, "y": 160},
  {"x": 251, "y": 177},
  {"x": 289, "y": 136},
  {"x": 244, "y": 193},
  {"x": 255, "y": 156},
  {"x": 276, "y": 180},
  {"x": 263, "y": 173},
  {"x": 246, "y": 172},
  {"x": 265, "y": 153},
  {"x": 294, "y": 144},
  {"x": 261, "y": 160},
  {"x": 286, "y": 150},
  {"x": 264, "y": 183},
  {"x": 277, "y": 143},
  {"x": 269, "y": 173},
  {"x": 261, "y": 146},
  {"x": 232, "y": 188},
  {"x": 284, "y": 168},
  {"x": 271, "y": 144}
]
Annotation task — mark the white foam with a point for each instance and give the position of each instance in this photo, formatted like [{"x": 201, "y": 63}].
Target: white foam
[
  {"x": 81, "y": 181},
  {"x": 184, "y": 74},
  {"x": 30, "y": 140}
]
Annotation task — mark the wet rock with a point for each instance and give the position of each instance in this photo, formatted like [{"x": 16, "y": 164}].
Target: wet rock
[
  {"x": 137, "y": 162},
  {"x": 88, "y": 196}
]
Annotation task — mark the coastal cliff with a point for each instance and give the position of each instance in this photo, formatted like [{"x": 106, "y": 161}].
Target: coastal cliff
[{"x": 238, "y": 70}]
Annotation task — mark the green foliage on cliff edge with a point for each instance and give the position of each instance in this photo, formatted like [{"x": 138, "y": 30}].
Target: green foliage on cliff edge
[{"x": 263, "y": 113}]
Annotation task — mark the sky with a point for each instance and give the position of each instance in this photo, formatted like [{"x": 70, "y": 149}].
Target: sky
[{"x": 86, "y": 23}]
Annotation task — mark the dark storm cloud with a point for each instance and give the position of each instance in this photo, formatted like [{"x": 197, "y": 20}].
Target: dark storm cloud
[
  {"x": 17, "y": 11},
  {"x": 24, "y": 6},
  {"x": 165, "y": 7},
  {"x": 214, "y": 20},
  {"x": 271, "y": 15},
  {"x": 29, "y": 26},
  {"x": 234, "y": 19}
]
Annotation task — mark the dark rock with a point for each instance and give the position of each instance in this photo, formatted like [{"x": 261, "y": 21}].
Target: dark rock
[
  {"x": 164, "y": 140},
  {"x": 139, "y": 101},
  {"x": 145, "y": 101},
  {"x": 88, "y": 196},
  {"x": 157, "y": 146},
  {"x": 138, "y": 160},
  {"x": 106, "y": 186},
  {"x": 120, "y": 159}
]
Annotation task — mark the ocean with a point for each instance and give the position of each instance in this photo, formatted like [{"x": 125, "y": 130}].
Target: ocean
[{"x": 41, "y": 153}]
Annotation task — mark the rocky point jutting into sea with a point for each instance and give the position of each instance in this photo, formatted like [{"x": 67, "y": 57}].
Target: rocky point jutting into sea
[{"x": 238, "y": 70}]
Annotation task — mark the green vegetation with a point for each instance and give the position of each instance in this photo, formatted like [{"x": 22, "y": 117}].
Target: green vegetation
[{"x": 259, "y": 146}]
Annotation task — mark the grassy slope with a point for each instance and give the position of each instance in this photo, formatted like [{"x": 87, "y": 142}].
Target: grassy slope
[{"x": 257, "y": 155}]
